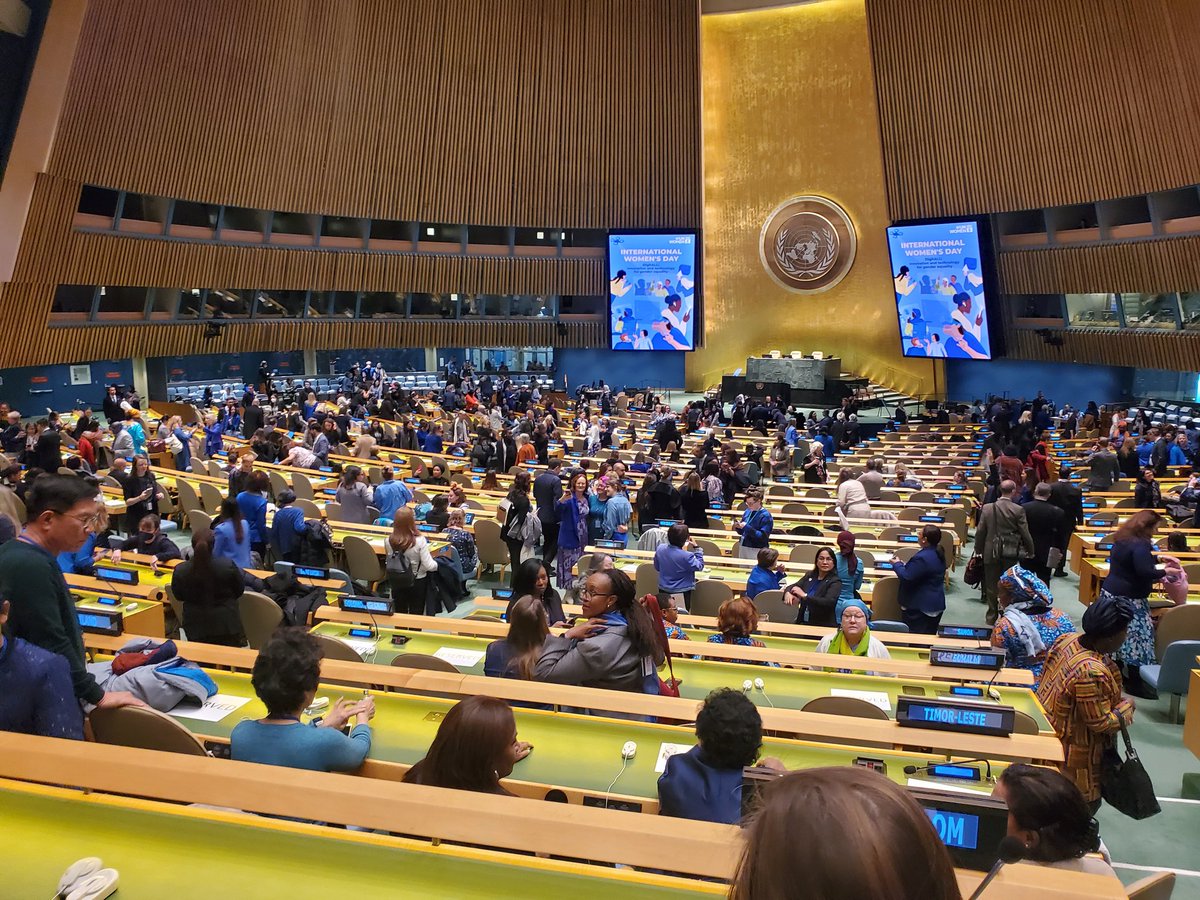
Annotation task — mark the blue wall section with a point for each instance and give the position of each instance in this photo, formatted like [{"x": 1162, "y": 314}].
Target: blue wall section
[
  {"x": 32, "y": 389},
  {"x": 664, "y": 369},
  {"x": 1061, "y": 382},
  {"x": 220, "y": 366}
]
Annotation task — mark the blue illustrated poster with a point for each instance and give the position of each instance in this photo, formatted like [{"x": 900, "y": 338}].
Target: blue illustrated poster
[
  {"x": 937, "y": 273},
  {"x": 652, "y": 291}
]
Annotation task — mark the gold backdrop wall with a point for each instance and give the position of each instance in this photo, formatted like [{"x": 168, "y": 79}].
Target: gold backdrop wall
[{"x": 789, "y": 109}]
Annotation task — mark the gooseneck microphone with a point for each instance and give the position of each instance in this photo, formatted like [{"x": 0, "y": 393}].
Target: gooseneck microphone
[
  {"x": 1011, "y": 850},
  {"x": 913, "y": 770}
]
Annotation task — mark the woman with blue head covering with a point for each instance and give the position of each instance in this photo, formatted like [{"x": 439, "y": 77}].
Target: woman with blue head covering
[
  {"x": 853, "y": 637},
  {"x": 1029, "y": 623}
]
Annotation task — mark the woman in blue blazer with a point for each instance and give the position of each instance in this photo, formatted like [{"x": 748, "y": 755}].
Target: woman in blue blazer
[{"x": 923, "y": 583}]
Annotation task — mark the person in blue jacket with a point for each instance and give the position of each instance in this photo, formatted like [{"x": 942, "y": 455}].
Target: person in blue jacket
[
  {"x": 768, "y": 575},
  {"x": 756, "y": 525},
  {"x": 923, "y": 583},
  {"x": 706, "y": 782},
  {"x": 286, "y": 527},
  {"x": 253, "y": 504}
]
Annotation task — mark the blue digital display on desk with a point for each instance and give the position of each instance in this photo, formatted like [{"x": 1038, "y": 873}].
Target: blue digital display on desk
[
  {"x": 933, "y": 518},
  {"x": 945, "y": 714},
  {"x": 478, "y": 469},
  {"x": 949, "y": 770},
  {"x": 945, "y": 501},
  {"x": 412, "y": 480},
  {"x": 1091, "y": 506},
  {"x": 424, "y": 526},
  {"x": 124, "y": 576},
  {"x": 908, "y": 539},
  {"x": 100, "y": 622},
  {"x": 962, "y": 690},
  {"x": 886, "y": 566},
  {"x": 954, "y": 828},
  {"x": 108, "y": 601},
  {"x": 310, "y": 572},
  {"x": 782, "y": 479},
  {"x": 974, "y": 632},
  {"x": 1107, "y": 546},
  {"x": 380, "y": 606},
  {"x": 955, "y": 487},
  {"x": 971, "y": 659},
  {"x": 362, "y": 632},
  {"x": 326, "y": 468}
]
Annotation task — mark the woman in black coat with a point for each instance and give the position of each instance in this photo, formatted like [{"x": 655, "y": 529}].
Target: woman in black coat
[
  {"x": 209, "y": 590},
  {"x": 817, "y": 592}
]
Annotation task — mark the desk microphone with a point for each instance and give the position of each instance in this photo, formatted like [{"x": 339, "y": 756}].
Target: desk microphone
[
  {"x": 1011, "y": 850},
  {"x": 913, "y": 770}
]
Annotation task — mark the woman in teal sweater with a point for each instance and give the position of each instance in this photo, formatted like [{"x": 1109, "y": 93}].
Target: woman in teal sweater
[{"x": 286, "y": 674}]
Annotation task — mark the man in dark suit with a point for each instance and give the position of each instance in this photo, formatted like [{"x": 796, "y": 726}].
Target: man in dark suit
[
  {"x": 1069, "y": 498},
  {"x": 1047, "y": 526},
  {"x": 252, "y": 418},
  {"x": 547, "y": 489}
]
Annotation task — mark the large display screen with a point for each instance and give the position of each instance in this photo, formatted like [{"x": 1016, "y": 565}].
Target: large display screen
[
  {"x": 937, "y": 271},
  {"x": 652, "y": 290}
]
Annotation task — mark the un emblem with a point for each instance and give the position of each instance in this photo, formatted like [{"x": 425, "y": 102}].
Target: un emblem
[{"x": 807, "y": 244}]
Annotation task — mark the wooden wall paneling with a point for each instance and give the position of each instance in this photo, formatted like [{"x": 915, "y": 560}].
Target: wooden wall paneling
[
  {"x": 1139, "y": 349},
  {"x": 1033, "y": 105},
  {"x": 529, "y": 112},
  {"x": 1165, "y": 265},
  {"x": 64, "y": 344}
]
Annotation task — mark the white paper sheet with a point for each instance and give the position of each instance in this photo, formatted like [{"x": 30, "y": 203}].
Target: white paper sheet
[
  {"x": 215, "y": 708},
  {"x": 365, "y": 649},
  {"x": 666, "y": 751},
  {"x": 875, "y": 698},
  {"x": 950, "y": 788},
  {"x": 462, "y": 659}
]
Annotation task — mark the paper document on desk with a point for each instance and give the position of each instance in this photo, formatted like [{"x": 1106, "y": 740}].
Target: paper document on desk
[
  {"x": 666, "y": 751},
  {"x": 365, "y": 649},
  {"x": 460, "y": 659},
  {"x": 215, "y": 708},
  {"x": 943, "y": 786},
  {"x": 875, "y": 698}
]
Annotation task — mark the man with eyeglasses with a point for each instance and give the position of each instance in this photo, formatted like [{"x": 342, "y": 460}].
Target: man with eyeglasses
[{"x": 62, "y": 512}]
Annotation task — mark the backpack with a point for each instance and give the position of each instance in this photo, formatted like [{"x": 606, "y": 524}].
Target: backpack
[{"x": 400, "y": 572}]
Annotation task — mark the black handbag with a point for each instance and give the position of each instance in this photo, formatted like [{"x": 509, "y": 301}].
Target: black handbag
[
  {"x": 973, "y": 575},
  {"x": 1124, "y": 784}
]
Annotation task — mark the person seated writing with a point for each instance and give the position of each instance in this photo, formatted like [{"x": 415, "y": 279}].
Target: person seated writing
[
  {"x": 285, "y": 678},
  {"x": 475, "y": 747},
  {"x": 767, "y": 574},
  {"x": 706, "y": 782},
  {"x": 149, "y": 541}
]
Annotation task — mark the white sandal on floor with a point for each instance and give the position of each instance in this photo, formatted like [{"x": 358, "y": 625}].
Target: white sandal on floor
[
  {"x": 76, "y": 873},
  {"x": 96, "y": 887}
]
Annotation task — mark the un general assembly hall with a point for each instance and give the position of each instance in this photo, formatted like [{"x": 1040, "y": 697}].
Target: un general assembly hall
[{"x": 652, "y": 449}]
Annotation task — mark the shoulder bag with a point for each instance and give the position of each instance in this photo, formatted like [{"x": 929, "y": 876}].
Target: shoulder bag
[{"x": 1124, "y": 784}]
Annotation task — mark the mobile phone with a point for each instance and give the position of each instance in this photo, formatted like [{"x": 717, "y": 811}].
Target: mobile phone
[{"x": 399, "y": 640}]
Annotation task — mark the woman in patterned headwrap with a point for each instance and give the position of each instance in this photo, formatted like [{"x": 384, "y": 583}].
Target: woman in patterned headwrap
[
  {"x": 1081, "y": 691},
  {"x": 1029, "y": 623}
]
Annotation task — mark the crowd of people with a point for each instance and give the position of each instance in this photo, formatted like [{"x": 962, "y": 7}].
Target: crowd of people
[{"x": 1081, "y": 676}]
